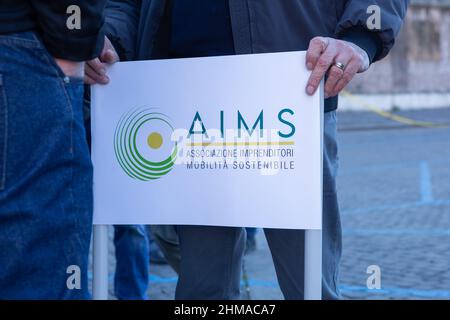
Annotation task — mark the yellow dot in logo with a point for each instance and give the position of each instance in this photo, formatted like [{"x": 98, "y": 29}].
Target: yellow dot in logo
[{"x": 155, "y": 140}]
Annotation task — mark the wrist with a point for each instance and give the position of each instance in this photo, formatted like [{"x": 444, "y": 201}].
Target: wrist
[
  {"x": 365, "y": 59},
  {"x": 363, "y": 39},
  {"x": 71, "y": 68}
]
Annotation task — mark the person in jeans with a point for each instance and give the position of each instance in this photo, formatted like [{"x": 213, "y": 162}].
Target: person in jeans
[
  {"x": 340, "y": 42},
  {"x": 135, "y": 249},
  {"x": 132, "y": 262},
  {"x": 45, "y": 168}
]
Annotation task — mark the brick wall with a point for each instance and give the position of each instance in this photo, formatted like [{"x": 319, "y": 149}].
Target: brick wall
[{"x": 420, "y": 60}]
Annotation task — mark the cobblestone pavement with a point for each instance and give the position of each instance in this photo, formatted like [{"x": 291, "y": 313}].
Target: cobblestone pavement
[{"x": 394, "y": 195}]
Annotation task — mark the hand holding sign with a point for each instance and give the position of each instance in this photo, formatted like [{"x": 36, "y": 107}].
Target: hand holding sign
[{"x": 340, "y": 59}]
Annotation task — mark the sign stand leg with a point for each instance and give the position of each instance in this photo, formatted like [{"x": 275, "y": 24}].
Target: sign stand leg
[
  {"x": 313, "y": 238},
  {"x": 100, "y": 263},
  {"x": 313, "y": 265}
]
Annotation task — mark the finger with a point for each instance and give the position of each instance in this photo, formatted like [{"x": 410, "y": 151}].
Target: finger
[
  {"x": 97, "y": 66},
  {"x": 335, "y": 73},
  {"x": 89, "y": 80},
  {"x": 93, "y": 74},
  {"x": 321, "y": 68},
  {"x": 109, "y": 56},
  {"x": 317, "y": 46},
  {"x": 349, "y": 73}
]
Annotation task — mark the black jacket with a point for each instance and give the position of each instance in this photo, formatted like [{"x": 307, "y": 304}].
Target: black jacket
[
  {"x": 262, "y": 26},
  {"x": 48, "y": 18},
  {"x": 258, "y": 25}
]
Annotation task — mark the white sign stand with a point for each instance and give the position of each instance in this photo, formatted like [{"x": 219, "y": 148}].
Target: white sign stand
[
  {"x": 313, "y": 265},
  {"x": 100, "y": 263},
  {"x": 312, "y": 252},
  {"x": 313, "y": 238}
]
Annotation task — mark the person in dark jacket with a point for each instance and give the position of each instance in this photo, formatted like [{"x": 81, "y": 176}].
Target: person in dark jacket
[
  {"x": 45, "y": 168},
  {"x": 340, "y": 39}
]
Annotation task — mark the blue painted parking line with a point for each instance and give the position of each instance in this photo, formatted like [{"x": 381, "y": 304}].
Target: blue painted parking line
[
  {"x": 345, "y": 289},
  {"x": 157, "y": 279},
  {"x": 389, "y": 166},
  {"x": 426, "y": 186},
  {"x": 397, "y": 292},
  {"x": 404, "y": 140},
  {"x": 398, "y": 232},
  {"x": 399, "y": 206}
]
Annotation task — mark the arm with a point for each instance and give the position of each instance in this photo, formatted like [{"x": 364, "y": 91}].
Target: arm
[
  {"x": 392, "y": 14},
  {"x": 356, "y": 47},
  {"x": 122, "y": 20},
  {"x": 63, "y": 43},
  {"x": 121, "y": 27}
]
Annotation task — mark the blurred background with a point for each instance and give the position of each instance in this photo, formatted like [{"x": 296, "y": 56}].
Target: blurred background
[
  {"x": 415, "y": 75},
  {"x": 394, "y": 134}
]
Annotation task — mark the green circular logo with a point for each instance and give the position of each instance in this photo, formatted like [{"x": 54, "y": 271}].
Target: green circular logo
[{"x": 143, "y": 146}]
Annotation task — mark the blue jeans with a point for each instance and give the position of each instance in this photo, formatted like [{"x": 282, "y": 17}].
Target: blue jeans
[
  {"x": 251, "y": 232},
  {"x": 211, "y": 257},
  {"x": 45, "y": 176},
  {"x": 132, "y": 262}
]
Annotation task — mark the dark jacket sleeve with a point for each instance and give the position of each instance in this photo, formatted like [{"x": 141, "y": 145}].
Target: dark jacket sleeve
[
  {"x": 392, "y": 14},
  {"x": 122, "y": 21},
  {"x": 77, "y": 44}
]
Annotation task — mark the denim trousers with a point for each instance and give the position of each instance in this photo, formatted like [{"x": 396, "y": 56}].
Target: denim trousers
[
  {"x": 132, "y": 245},
  {"x": 45, "y": 176},
  {"x": 211, "y": 257}
]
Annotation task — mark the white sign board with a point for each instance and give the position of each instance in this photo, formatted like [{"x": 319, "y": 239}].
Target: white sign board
[{"x": 224, "y": 141}]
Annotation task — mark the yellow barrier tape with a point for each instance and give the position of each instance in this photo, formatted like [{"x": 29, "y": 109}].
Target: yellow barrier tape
[{"x": 389, "y": 115}]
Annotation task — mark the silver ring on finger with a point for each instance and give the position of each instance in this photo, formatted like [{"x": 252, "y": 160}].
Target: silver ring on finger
[{"x": 340, "y": 65}]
